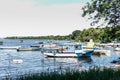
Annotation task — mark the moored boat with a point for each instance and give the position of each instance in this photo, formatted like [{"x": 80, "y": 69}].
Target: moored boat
[
  {"x": 117, "y": 49},
  {"x": 17, "y": 61},
  {"x": 29, "y": 49},
  {"x": 60, "y": 55},
  {"x": 10, "y": 47},
  {"x": 86, "y": 53},
  {"x": 79, "y": 52}
]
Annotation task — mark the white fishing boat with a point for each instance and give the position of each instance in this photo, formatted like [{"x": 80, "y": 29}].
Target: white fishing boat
[
  {"x": 67, "y": 55},
  {"x": 79, "y": 52}
]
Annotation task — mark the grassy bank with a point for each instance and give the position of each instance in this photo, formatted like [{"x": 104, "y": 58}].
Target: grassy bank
[{"x": 92, "y": 74}]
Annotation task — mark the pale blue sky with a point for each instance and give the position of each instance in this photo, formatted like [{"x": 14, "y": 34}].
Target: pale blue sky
[
  {"x": 60, "y": 1},
  {"x": 41, "y": 17}
]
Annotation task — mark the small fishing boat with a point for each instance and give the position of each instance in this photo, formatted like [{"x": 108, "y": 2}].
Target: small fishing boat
[
  {"x": 60, "y": 55},
  {"x": 87, "y": 52},
  {"x": 79, "y": 52}
]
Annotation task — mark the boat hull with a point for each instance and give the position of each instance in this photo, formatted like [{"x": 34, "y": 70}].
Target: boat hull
[
  {"x": 67, "y": 55},
  {"x": 86, "y": 53},
  {"x": 60, "y": 55}
]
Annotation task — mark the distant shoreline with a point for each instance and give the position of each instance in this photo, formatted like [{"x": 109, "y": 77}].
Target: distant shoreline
[{"x": 97, "y": 34}]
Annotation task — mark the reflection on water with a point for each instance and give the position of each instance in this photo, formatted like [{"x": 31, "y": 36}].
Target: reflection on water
[{"x": 63, "y": 63}]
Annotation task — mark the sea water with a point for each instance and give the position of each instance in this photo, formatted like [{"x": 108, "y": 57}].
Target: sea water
[{"x": 35, "y": 61}]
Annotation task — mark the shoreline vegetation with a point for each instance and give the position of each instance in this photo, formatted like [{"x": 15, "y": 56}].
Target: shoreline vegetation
[
  {"x": 91, "y": 74},
  {"x": 97, "y": 34}
]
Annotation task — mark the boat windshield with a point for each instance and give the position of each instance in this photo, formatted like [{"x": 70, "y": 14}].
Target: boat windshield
[{"x": 78, "y": 47}]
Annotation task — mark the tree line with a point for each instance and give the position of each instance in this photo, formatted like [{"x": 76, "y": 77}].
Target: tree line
[{"x": 98, "y": 34}]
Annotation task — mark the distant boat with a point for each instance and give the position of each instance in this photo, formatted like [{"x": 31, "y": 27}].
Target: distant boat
[
  {"x": 21, "y": 41},
  {"x": 10, "y": 47},
  {"x": 17, "y": 61},
  {"x": 38, "y": 45},
  {"x": 29, "y": 49},
  {"x": 117, "y": 49}
]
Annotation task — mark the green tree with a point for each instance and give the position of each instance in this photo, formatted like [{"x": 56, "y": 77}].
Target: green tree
[
  {"x": 107, "y": 10},
  {"x": 75, "y": 35}
]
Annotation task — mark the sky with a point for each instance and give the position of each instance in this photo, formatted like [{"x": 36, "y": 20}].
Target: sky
[{"x": 41, "y": 17}]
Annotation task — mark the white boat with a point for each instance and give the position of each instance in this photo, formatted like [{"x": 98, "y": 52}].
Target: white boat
[
  {"x": 60, "y": 55},
  {"x": 17, "y": 61},
  {"x": 79, "y": 52},
  {"x": 10, "y": 47},
  {"x": 117, "y": 49},
  {"x": 67, "y": 55}
]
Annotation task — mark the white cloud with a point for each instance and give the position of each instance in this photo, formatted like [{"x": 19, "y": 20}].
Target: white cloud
[{"x": 24, "y": 18}]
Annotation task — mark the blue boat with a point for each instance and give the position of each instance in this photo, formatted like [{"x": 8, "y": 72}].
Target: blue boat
[
  {"x": 83, "y": 52},
  {"x": 86, "y": 53}
]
